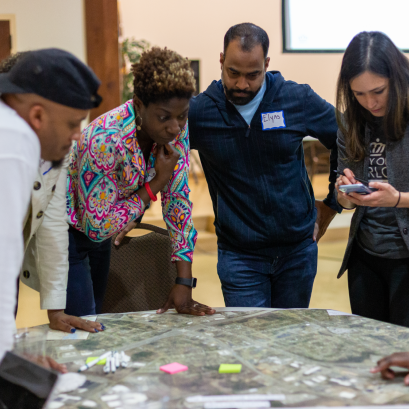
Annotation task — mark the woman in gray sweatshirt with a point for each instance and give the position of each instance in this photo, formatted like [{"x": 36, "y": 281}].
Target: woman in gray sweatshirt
[{"x": 373, "y": 146}]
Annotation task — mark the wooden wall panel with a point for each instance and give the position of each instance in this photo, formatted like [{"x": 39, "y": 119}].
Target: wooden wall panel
[
  {"x": 101, "y": 19},
  {"x": 5, "y": 39}
]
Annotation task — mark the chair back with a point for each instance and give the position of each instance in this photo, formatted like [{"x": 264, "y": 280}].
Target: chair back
[{"x": 141, "y": 273}]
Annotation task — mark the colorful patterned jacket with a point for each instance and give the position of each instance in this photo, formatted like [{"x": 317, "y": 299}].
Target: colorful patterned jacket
[{"x": 106, "y": 169}]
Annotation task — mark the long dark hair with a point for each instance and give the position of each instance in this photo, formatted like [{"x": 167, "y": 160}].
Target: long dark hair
[{"x": 374, "y": 52}]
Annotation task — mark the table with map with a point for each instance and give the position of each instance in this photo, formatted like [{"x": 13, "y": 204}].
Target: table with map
[{"x": 289, "y": 358}]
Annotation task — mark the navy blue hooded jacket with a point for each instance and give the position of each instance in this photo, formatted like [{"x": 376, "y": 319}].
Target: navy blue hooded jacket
[{"x": 262, "y": 197}]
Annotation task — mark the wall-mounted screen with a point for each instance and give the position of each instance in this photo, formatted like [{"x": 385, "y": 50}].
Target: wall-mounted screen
[{"x": 329, "y": 25}]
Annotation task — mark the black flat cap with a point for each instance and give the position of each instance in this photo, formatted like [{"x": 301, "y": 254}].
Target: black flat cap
[{"x": 53, "y": 74}]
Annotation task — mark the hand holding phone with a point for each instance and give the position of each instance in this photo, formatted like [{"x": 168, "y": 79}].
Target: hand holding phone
[{"x": 357, "y": 188}]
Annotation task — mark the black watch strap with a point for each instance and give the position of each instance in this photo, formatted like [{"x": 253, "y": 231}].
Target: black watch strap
[{"x": 190, "y": 282}]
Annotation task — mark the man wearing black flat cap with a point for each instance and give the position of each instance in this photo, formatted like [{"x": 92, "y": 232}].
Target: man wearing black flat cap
[{"x": 44, "y": 98}]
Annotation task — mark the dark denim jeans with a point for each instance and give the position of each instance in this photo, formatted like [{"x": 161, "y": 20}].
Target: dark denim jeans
[
  {"x": 87, "y": 275},
  {"x": 256, "y": 281}
]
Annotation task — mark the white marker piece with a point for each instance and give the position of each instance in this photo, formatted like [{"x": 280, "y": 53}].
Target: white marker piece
[
  {"x": 116, "y": 359},
  {"x": 319, "y": 378},
  {"x": 107, "y": 367},
  {"x": 107, "y": 398},
  {"x": 124, "y": 360},
  {"x": 340, "y": 382},
  {"x": 312, "y": 370},
  {"x": 89, "y": 404},
  {"x": 347, "y": 395},
  {"x": 114, "y": 404},
  {"x": 289, "y": 379},
  {"x": 113, "y": 365}
]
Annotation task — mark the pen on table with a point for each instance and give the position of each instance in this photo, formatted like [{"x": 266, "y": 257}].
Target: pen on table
[
  {"x": 364, "y": 182},
  {"x": 95, "y": 361}
]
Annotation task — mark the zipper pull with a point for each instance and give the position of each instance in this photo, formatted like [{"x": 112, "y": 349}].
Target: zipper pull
[{"x": 248, "y": 132}]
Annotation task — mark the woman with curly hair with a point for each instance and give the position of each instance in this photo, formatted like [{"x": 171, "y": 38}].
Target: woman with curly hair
[
  {"x": 123, "y": 159},
  {"x": 373, "y": 145}
]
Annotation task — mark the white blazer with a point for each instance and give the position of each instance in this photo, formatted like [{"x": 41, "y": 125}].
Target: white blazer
[{"x": 45, "y": 265}]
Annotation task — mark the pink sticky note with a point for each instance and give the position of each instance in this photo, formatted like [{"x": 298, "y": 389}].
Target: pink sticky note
[{"x": 173, "y": 368}]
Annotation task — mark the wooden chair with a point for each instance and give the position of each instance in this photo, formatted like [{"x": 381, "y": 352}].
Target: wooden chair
[
  {"x": 317, "y": 158},
  {"x": 141, "y": 273}
]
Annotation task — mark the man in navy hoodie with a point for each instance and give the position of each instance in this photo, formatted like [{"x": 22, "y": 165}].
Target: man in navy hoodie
[{"x": 248, "y": 129}]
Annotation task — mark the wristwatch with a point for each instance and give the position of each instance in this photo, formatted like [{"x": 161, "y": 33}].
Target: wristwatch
[{"x": 190, "y": 282}]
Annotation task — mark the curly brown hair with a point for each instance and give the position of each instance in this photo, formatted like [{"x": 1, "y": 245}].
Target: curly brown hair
[
  {"x": 162, "y": 74},
  {"x": 9, "y": 62}
]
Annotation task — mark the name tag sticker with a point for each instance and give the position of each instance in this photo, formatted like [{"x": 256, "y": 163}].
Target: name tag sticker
[{"x": 271, "y": 120}]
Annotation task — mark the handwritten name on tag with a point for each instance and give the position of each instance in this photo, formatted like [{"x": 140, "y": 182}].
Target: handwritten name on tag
[{"x": 271, "y": 120}]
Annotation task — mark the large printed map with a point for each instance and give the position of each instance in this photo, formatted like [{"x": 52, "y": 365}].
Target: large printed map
[{"x": 304, "y": 357}]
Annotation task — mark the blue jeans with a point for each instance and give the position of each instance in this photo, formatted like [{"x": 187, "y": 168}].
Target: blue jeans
[
  {"x": 87, "y": 275},
  {"x": 256, "y": 281}
]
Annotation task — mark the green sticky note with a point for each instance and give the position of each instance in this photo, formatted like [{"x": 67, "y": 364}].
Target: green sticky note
[
  {"x": 230, "y": 368},
  {"x": 91, "y": 358}
]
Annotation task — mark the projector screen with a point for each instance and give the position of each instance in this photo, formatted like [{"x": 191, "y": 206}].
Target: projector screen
[{"x": 329, "y": 25}]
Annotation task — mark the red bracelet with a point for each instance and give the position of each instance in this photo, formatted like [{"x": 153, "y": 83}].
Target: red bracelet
[{"x": 151, "y": 195}]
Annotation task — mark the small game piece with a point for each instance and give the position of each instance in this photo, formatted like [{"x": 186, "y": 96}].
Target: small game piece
[
  {"x": 173, "y": 368},
  {"x": 230, "y": 368},
  {"x": 124, "y": 359},
  {"x": 113, "y": 365}
]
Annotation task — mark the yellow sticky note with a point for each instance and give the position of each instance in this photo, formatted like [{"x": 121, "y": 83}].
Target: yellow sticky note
[
  {"x": 230, "y": 368},
  {"x": 91, "y": 358}
]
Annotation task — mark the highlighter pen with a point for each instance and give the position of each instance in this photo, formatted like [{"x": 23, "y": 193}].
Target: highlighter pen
[{"x": 95, "y": 361}]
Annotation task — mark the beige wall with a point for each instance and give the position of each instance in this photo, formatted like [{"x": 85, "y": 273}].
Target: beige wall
[
  {"x": 196, "y": 29},
  {"x": 48, "y": 23}
]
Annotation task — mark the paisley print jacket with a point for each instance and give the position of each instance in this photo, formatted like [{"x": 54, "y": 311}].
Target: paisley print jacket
[{"x": 106, "y": 169}]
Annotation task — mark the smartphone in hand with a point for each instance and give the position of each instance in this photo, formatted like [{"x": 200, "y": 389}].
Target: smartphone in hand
[{"x": 357, "y": 188}]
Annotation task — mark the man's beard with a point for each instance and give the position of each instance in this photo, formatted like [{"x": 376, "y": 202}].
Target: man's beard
[
  {"x": 57, "y": 163},
  {"x": 239, "y": 100}
]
